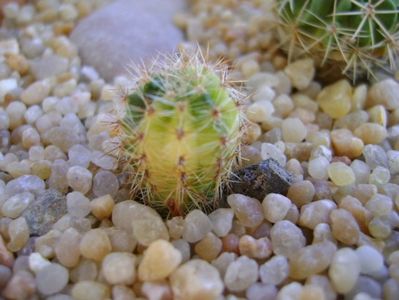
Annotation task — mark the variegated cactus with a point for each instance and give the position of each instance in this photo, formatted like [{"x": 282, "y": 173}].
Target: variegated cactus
[{"x": 180, "y": 134}]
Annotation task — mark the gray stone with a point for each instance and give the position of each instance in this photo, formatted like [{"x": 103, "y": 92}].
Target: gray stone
[
  {"x": 49, "y": 206},
  {"x": 127, "y": 31},
  {"x": 258, "y": 180}
]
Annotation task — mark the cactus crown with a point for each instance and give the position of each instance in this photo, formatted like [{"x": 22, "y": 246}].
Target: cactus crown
[
  {"x": 355, "y": 34},
  {"x": 180, "y": 134}
]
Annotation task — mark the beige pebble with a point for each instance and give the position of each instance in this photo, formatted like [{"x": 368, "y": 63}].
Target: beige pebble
[
  {"x": 293, "y": 129},
  {"x": 341, "y": 174},
  {"x": 311, "y": 259},
  {"x": 345, "y": 144},
  {"x": 36, "y": 92},
  {"x": 101, "y": 207},
  {"x": 344, "y": 227},
  {"x": 119, "y": 268},
  {"x": 378, "y": 114},
  {"x": 159, "y": 261},
  {"x": 196, "y": 279},
  {"x": 301, "y": 72},
  {"x": 67, "y": 248},
  {"x": 90, "y": 290},
  {"x": 371, "y": 133},
  {"x": 385, "y": 92},
  {"x": 95, "y": 244},
  {"x": 335, "y": 99}
]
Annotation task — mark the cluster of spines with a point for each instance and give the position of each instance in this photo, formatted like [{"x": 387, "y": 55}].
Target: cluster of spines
[
  {"x": 180, "y": 133},
  {"x": 356, "y": 34}
]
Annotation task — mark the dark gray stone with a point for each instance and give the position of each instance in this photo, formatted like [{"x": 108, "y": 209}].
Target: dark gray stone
[
  {"x": 127, "y": 31},
  {"x": 258, "y": 180},
  {"x": 48, "y": 208}
]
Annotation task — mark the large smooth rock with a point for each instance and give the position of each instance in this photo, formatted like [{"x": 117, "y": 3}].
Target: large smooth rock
[{"x": 127, "y": 31}]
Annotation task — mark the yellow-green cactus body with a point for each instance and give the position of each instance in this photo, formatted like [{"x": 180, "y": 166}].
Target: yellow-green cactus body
[{"x": 180, "y": 136}]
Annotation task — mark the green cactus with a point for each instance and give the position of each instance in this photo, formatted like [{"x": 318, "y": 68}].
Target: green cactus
[
  {"x": 354, "y": 35},
  {"x": 180, "y": 134}
]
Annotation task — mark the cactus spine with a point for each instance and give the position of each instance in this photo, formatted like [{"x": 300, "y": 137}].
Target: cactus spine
[
  {"x": 180, "y": 134},
  {"x": 355, "y": 35}
]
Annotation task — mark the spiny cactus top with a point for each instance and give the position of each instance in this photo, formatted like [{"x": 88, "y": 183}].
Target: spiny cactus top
[
  {"x": 356, "y": 35},
  {"x": 180, "y": 134}
]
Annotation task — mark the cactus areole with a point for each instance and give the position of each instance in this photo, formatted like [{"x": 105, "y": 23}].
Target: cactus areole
[
  {"x": 180, "y": 135},
  {"x": 354, "y": 35}
]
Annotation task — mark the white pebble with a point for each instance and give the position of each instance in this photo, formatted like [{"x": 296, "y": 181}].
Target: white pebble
[
  {"x": 240, "y": 274},
  {"x": 371, "y": 260},
  {"x": 344, "y": 270},
  {"x": 275, "y": 207},
  {"x": 79, "y": 179}
]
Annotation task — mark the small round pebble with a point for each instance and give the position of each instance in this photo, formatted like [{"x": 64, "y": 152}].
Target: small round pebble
[
  {"x": 101, "y": 207},
  {"x": 196, "y": 226},
  {"x": 209, "y": 247},
  {"x": 294, "y": 131},
  {"x": 255, "y": 248},
  {"x": 335, "y": 99},
  {"x": 77, "y": 204},
  {"x": 275, "y": 270},
  {"x": 301, "y": 192},
  {"x": 90, "y": 290},
  {"x": 222, "y": 221},
  {"x": 311, "y": 259},
  {"x": 371, "y": 260},
  {"x": 79, "y": 155},
  {"x": 286, "y": 238},
  {"x": 18, "y": 232},
  {"x": 371, "y": 133},
  {"x": 16, "y": 204},
  {"x": 275, "y": 207},
  {"x": 341, "y": 174},
  {"x": 317, "y": 167},
  {"x": 51, "y": 279},
  {"x": 259, "y": 291},
  {"x": 67, "y": 248},
  {"x": 159, "y": 261},
  {"x": 95, "y": 244},
  {"x": 344, "y": 270},
  {"x": 79, "y": 179},
  {"x": 104, "y": 183},
  {"x": 248, "y": 210},
  {"x": 240, "y": 274},
  {"x": 119, "y": 268},
  {"x": 344, "y": 227},
  {"x": 196, "y": 279}
]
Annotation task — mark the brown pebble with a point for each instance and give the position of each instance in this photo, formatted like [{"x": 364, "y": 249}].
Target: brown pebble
[
  {"x": 355, "y": 207},
  {"x": 6, "y": 257},
  {"x": 209, "y": 247},
  {"x": 301, "y": 192},
  {"x": 344, "y": 227},
  {"x": 230, "y": 243},
  {"x": 21, "y": 286}
]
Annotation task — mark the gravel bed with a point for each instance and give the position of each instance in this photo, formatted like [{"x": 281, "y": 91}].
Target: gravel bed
[{"x": 69, "y": 231}]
